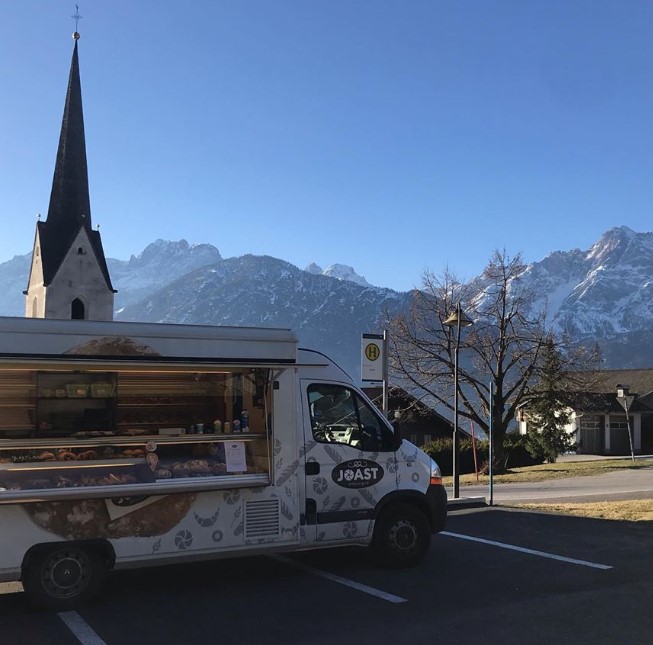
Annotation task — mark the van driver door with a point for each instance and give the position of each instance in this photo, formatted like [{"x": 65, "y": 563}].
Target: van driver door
[{"x": 349, "y": 461}]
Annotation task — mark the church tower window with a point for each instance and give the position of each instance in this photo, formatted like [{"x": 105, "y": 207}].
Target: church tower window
[{"x": 77, "y": 309}]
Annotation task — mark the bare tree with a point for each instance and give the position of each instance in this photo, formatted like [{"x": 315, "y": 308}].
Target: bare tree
[{"x": 504, "y": 347}]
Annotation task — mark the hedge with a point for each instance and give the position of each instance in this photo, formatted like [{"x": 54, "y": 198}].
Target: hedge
[{"x": 514, "y": 448}]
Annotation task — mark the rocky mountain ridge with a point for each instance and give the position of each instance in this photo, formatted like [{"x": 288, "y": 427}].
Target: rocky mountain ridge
[{"x": 603, "y": 294}]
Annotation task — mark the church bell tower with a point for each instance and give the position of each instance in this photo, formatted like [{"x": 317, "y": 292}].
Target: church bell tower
[{"x": 69, "y": 277}]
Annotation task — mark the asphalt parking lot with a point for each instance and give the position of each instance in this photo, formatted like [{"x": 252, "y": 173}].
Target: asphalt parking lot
[{"x": 496, "y": 576}]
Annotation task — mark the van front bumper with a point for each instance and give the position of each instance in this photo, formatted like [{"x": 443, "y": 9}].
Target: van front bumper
[{"x": 436, "y": 498}]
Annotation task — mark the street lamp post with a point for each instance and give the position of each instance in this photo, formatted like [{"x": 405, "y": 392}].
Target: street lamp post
[
  {"x": 626, "y": 401},
  {"x": 457, "y": 319}
]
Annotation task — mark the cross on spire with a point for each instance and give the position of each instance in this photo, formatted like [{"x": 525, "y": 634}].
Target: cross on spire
[{"x": 76, "y": 17}]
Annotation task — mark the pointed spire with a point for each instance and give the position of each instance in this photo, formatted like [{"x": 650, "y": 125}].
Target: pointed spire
[
  {"x": 69, "y": 200},
  {"x": 70, "y": 205}
]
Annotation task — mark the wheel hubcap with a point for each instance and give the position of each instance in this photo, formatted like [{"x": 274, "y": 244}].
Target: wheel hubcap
[
  {"x": 403, "y": 537},
  {"x": 65, "y": 575}
]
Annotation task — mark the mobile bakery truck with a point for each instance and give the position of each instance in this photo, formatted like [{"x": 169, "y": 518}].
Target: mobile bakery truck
[{"x": 134, "y": 444}]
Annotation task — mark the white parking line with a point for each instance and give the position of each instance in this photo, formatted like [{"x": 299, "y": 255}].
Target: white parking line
[
  {"x": 521, "y": 549},
  {"x": 383, "y": 595},
  {"x": 80, "y": 628}
]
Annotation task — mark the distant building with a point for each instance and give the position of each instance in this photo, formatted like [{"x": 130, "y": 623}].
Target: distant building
[
  {"x": 69, "y": 277},
  {"x": 598, "y": 421},
  {"x": 415, "y": 420}
]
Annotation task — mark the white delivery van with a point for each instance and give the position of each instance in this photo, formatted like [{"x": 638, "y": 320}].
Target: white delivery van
[{"x": 135, "y": 444}]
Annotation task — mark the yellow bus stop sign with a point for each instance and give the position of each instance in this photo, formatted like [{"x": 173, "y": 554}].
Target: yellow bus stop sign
[
  {"x": 372, "y": 357},
  {"x": 372, "y": 352}
]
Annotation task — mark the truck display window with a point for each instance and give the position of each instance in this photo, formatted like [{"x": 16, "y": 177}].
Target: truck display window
[
  {"x": 66, "y": 430},
  {"x": 340, "y": 415}
]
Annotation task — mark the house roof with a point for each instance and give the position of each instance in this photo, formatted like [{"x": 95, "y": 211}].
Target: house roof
[
  {"x": 412, "y": 408},
  {"x": 70, "y": 204},
  {"x": 640, "y": 381},
  {"x": 596, "y": 391}
]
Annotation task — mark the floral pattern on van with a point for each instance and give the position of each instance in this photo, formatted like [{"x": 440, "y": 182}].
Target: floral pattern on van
[{"x": 410, "y": 459}]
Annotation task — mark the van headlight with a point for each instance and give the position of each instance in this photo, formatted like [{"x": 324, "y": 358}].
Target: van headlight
[{"x": 436, "y": 474}]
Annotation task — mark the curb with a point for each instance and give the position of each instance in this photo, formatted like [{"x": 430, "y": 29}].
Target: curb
[{"x": 459, "y": 503}]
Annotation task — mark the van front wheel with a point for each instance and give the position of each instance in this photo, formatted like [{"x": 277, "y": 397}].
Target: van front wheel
[
  {"x": 63, "y": 577},
  {"x": 402, "y": 536}
]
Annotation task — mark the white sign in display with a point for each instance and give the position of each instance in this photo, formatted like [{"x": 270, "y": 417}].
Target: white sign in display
[
  {"x": 234, "y": 454},
  {"x": 372, "y": 357}
]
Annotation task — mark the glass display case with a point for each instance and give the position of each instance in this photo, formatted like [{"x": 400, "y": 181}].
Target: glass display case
[{"x": 94, "y": 433}]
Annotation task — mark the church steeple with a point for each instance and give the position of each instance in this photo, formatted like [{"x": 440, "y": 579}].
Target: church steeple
[
  {"x": 69, "y": 277},
  {"x": 70, "y": 204}
]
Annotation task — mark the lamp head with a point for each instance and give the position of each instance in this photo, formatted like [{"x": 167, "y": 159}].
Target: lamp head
[{"x": 457, "y": 317}]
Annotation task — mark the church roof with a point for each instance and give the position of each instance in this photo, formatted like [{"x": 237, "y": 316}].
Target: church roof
[
  {"x": 55, "y": 244},
  {"x": 70, "y": 204}
]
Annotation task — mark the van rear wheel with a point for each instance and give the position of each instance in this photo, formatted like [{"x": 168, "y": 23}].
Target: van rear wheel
[
  {"x": 402, "y": 536},
  {"x": 63, "y": 576}
]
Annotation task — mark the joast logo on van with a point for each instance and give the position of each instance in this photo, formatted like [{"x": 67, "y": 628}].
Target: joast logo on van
[{"x": 357, "y": 473}]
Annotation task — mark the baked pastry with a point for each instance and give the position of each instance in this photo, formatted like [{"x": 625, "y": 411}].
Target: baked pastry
[
  {"x": 87, "y": 455},
  {"x": 46, "y": 456},
  {"x": 134, "y": 453},
  {"x": 218, "y": 468},
  {"x": 179, "y": 470},
  {"x": 66, "y": 455},
  {"x": 199, "y": 467},
  {"x": 163, "y": 473}
]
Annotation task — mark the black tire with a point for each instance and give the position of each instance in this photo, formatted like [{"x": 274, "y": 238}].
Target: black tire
[
  {"x": 402, "y": 536},
  {"x": 63, "y": 576}
]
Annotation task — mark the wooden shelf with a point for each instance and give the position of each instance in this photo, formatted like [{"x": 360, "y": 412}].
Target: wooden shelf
[
  {"x": 122, "y": 440},
  {"x": 77, "y": 464}
]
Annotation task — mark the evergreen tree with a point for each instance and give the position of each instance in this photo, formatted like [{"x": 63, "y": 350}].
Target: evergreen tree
[{"x": 547, "y": 412}]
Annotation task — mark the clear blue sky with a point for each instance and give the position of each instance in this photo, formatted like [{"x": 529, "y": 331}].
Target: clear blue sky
[{"x": 392, "y": 135}]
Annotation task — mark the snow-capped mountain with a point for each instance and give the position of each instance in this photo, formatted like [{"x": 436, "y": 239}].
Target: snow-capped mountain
[
  {"x": 326, "y": 313},
  {"x": 602, "y": 292},
  {"x": 339, "y": 271},
  {"x": 160, "y": 263},
  {"x": 604, "y": 295}
]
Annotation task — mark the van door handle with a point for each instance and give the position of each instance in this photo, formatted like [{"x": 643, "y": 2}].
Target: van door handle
[{"x": 312, "y": 468}]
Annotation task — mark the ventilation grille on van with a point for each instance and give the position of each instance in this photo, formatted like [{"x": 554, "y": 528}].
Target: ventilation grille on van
[{"x": 262, "y": 519}]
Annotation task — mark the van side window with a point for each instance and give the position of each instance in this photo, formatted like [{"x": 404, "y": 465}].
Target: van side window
[{"x": 340, "y": 415}]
